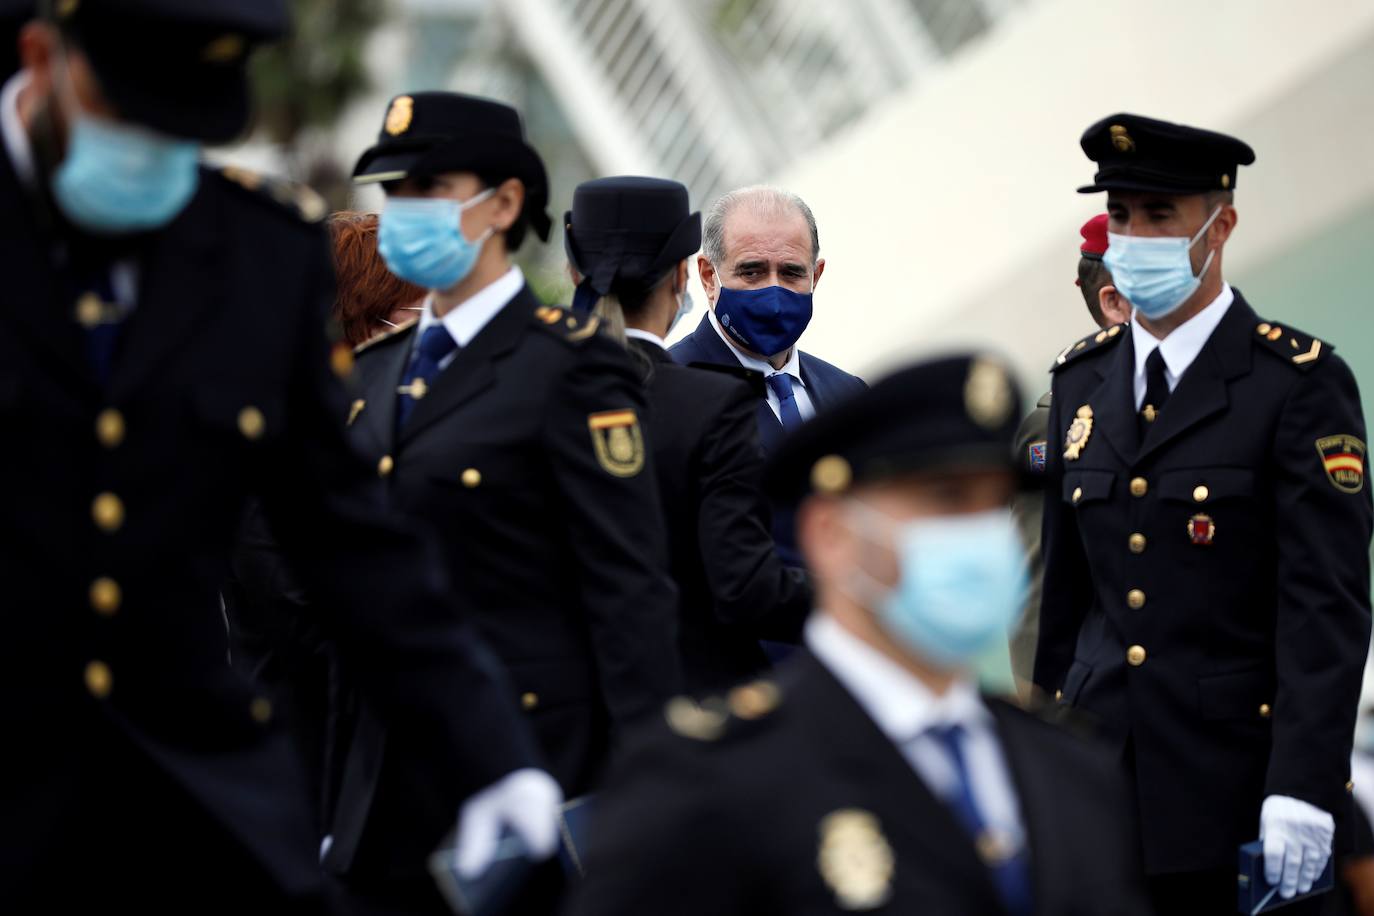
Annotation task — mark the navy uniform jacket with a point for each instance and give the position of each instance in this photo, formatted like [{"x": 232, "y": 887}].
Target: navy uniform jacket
[
  {"x": 732, "y": 587},
  {"x": 119, "y": 526},
  {"x": 1206, "y": 590},
  {"x": 726, "y": 812},
  {"x": 551, "y": 528},
  {"x": 826, "y": 385}
]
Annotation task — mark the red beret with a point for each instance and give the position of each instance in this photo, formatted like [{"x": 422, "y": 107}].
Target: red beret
[{"x": 1094, "y": 234}]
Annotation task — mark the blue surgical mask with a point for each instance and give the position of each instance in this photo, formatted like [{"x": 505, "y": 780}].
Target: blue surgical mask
[
  {"x": 961, "y": 586},
  {"x": 1156, "y": 274},
  {"x": 684, "y": 308},
  {"x": 421, "y": 239},
  {"x": 117, "y": 178},
  {"x": 766, "y": 321}
]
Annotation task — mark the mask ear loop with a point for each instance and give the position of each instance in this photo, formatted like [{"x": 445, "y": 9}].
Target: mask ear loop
[
  {"x": 1212, "y": 253},
  {"x": 860, "y": 584}
]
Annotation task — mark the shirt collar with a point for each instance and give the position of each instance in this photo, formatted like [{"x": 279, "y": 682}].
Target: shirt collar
[
  {"x": 16, "y": 138},
  {"x": 1184, "y": 342},
  {"x": 792, "y": 367},
  {"x": 465, "y": 319},
  {"x": 651, "y": 337},
  {"x": 897, "y": 701}
]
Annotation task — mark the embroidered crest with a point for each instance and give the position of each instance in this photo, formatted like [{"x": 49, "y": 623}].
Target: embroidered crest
[
  {"x": 617, "y": 441},
  {"x": 1343, "y": 459},
  {"x": 855, "y": 859},
  {"x": 1201, "y": 530},
  {"x": 399, "y": 115},
  {"x": 1079, "y": 430},
  {"x": 1035, "y": 457},
  {"x": 987, "y": 394}
]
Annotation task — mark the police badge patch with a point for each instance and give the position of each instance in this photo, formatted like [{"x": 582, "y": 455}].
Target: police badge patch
[
  {"x": 855, "y": 859},
  {"x": 1035, "y": 457},
  {"x": 617, "y": 441},
  {"x": 1343, "y": 459},
  {"x": 1079, "y": 431}
]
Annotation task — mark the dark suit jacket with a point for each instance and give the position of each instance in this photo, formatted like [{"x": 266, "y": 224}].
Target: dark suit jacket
[
  {"x": 733, "y": 589},
  {"x": 826, "y": 385},
  {"x": 1207, "y": 589},
  {"x": 722, "y": 814},
  {"x": 559, "y": 548},
  {"x": 115, "y": 646}
]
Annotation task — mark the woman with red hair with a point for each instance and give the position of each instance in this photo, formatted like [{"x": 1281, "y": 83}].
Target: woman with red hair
[{"x": 371, "y": 299}]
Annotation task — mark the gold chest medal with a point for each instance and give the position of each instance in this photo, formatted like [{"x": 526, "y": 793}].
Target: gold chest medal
[{"x": 1079, "y": 431}]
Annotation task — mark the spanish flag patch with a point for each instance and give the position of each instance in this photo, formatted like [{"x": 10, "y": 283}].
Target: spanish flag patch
[
  {"x": 1343, "y": 458},
  {"x": 617, "y": 441}
]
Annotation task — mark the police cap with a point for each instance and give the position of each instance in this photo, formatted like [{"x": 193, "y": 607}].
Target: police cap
[{"x": 1135, "y": 153}]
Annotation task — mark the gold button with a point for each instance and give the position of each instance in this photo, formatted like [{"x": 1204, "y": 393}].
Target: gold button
[
  {"x": 471, "y": 478},
  {"x": 109, "y": 428},
  {"x": 1139, "y": 487},
  {"x": 1101, "y": 336},
  {"x": 1136, "y": 543},
  {"x": 251, "y": 423},
  {"x": 1059, "y": 696},
  {"x": 99, "y": 680},
  {"x": 108, "y": 512},
  {"x": 1265, "y": 711},
  {"x": 1135, "y": 599},
  {"x": 106, "y": 596},
  {"x": 341, "y": 360},
  {"x": 529, "y": 700},
  {"x": 1200, "y": 494},
  {"x": 261, "y": 710},
  {"x": 385, "y": 466},
  {"x": 1350, "y": 785},
  {"x": 1135, "y": 656},
  {"x": 90, "y": 310},
  {"x": 1263, "y": 328},
  {"x": 1077, "y": 494}
]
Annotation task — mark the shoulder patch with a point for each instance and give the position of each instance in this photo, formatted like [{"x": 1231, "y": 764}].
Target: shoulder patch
[
  {"x": 385, "y": 336},
  {"x": 297, "y": 198},
  {"x": 1098, "y": 340},
  {"x": 1292, "y": 346},
  {"x": 566, "y": 324},
  {"x": 756, "y": 380}
]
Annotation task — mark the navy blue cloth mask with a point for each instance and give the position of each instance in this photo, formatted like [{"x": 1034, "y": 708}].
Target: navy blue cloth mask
[{"x": 767, "y": 321}]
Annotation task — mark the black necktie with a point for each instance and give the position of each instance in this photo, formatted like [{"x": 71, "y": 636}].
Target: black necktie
[{"x": 1156, "y": 390}]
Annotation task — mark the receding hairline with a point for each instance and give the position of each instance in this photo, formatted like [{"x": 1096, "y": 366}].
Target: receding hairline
[{"x": 764, "y": 201}]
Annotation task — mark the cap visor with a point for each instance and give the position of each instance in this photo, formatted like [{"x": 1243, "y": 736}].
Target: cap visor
[{"x": 386, "y": 168}]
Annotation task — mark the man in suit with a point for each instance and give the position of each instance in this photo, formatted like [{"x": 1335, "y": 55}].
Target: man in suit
[
  {"x": 1107, "y": 309},
  {"x": 760, "y": 263},
  {"x": 871, "y": 775},
  {"x": 1206, "y": 534},
  {"x": 628, "y": 240},
  {"x": 516, "y": 430},
  {"x": 142, "y": 771}
]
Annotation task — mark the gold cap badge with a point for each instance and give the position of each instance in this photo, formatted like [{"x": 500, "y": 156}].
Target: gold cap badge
[
  {"x": 855, "y": 859},
  {"x": 224, "y": 49},
  {"x": 1121, "y": 139},
  {"x": 831, "y": 474},
  {"x": 987, "y": 394},
  {"x": 398, "y": 117}
]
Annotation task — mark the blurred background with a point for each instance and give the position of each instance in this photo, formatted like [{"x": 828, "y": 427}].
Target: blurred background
[{"x": 936, "y": 140}]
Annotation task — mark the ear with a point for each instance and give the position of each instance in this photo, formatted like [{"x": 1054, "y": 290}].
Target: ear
[
  {"x": 37, "y": 44},
  {"x": 509, "y": 201},
  {"x": 816, "y": 274},
  {"x": 1113, "y": 305},
  {"x": 709, "y": 281},
  {"x": 1220, "y": 231}
]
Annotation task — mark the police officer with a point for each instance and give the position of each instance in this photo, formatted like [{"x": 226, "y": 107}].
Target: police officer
[
  {"x": 1206, "y": 535},
  {"x": 871, "y": 775},
  {"x": 162, "y": 338},
  {"x": 517, "y": 430},
  {"x": 1105, "y": 306},
  {"x": 628, "y": 240}
]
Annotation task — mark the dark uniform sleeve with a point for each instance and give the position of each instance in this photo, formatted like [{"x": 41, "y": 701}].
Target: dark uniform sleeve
[
  {"x": 1066, "y": 593},
  {"x": 1323, "y": 611},
  {"x": 616, "y": 528},
  {"x": 378, "y": 583},
  {"x": 749, "y": 584},
  {"x": 1028, "y": 508}
]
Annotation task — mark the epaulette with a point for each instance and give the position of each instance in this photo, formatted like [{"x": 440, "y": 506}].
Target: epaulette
[
  {"x": 1292, "y": 346},
  {"x": 1090, "y": 344},
  {"x": 385, "y": 336},
  {"x": 757, "y": 381},
  {"x": 715, "y": 717},
  {"x": 566, "y": 324},
  {"x": 299, "y": 199}
]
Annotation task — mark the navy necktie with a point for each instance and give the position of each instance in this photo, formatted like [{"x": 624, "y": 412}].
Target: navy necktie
[
  {"x": 435, "y": 343},
  {"x": 96, "y": 312},
  {"x": 1156, "y": 390},
  {"x": 781, "y": 384},
  {"x": 1004, "y": 857}
]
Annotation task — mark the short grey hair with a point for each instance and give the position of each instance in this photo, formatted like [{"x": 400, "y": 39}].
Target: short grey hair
[{"x": 764, "y": 200}]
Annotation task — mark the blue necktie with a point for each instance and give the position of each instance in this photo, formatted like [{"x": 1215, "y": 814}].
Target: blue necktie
[
  {"x": 97, "y": 313},
  {"x": 1007, "y": 864},
  {"x": 781, "y": 384},
  {"x": 435, "y": 343}
]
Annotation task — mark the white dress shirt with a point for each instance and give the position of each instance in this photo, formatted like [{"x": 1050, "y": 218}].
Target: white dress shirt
[
  {"x": 905, "y": 710},
  {"x": 1182, "y": 345},
  {"x": 792, "y": 368},
  {"x": 465, "y": 319},
  {"x": 650, "y": 336}
]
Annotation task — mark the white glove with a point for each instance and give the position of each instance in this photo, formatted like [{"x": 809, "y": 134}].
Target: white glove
[
  {"x": 527, "y": 800},
  {"x": 1297, "y": 842}
]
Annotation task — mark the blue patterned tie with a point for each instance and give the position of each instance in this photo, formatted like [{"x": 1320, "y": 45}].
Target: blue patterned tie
[
  {"x": 781, "y": 384},
  {"x": 435, "y": 343},
  {"x": 1007, "y": 864}
]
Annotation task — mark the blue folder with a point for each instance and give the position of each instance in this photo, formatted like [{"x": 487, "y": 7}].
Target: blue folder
[{"x": 1256, "y": 895}]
